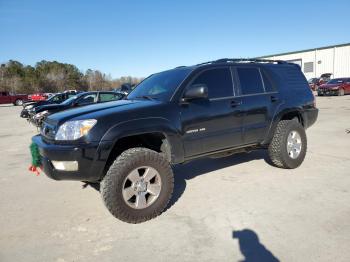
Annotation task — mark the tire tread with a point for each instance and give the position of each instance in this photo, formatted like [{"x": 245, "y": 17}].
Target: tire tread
[{"x": 113, "y": 177}]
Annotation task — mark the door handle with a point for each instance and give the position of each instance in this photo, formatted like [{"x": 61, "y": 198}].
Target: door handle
[
  {"x": 274, "y": 98},
  {"x": 235, "y": 103}
]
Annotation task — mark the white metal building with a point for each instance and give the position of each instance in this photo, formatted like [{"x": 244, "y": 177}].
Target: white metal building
[{"x": 314, "y": 62}]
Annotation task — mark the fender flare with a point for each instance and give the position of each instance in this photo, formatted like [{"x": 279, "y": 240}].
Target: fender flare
[
  {"x": 148, "y": 125},
  {"x": 277, "y": 117}
]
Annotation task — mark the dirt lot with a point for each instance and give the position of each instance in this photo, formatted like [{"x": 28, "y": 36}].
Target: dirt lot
[{"x": 291, "y": 215}]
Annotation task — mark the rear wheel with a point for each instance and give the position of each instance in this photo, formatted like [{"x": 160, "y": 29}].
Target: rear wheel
[
  {"x": 288, "y": 146},
  {"x": 138, "y": 185}
]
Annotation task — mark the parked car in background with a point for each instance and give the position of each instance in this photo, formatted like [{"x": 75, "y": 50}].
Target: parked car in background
[
  {"x": 39, "y": 113},
  {"x": 8, "y": 98},
  {"x": 38, "y": 97},
  {"x": 125, "y": 88},
  {"x": 54, "y": 99},
  {"x": 325, "y": 78},
  {"x": 336, "y": 86},
  {"x": 315, "y": 82}
]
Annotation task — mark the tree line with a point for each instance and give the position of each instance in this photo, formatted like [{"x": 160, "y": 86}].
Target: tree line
[{"x": 53, "y": 76}]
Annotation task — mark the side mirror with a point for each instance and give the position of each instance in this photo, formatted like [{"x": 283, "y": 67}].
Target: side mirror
[{"x": 198, "y": 91}]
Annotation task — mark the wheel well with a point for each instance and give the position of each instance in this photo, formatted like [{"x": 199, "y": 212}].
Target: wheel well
[
  {"x": 155, "y": 141},
  {"x": 293, "y": 115}
]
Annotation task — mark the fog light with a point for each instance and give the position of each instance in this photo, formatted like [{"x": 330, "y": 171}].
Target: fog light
[{"x": 65, "y": 165}]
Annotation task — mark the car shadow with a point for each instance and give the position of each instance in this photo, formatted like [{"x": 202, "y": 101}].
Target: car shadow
[
  {"x": 251, "y": 248},
  {"x": 184, "y": 172}
]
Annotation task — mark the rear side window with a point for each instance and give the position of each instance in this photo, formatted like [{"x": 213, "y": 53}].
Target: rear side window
[
  {"x": 218, "y": 81},
  {"x": 105, "y": 97},
  {"x": 268, "y": 82},
  {"x": 250, "y": 81}
]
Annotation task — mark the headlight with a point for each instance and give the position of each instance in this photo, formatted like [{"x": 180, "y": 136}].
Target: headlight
[
  {"x": 41, "y": 114},
  {"x": 72, "y": 130},
  {"x": 335, "y": 88},
  {"x": 29, "y": 107}
]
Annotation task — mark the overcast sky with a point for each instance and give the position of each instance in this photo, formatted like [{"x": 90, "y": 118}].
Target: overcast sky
[{"x": 142, "y": 37}]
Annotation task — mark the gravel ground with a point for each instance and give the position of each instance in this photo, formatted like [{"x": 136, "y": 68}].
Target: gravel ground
[{"x": 228, "y": 209}]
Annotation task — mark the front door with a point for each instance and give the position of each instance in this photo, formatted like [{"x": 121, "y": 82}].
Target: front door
[{"x": 212, "y": 124}]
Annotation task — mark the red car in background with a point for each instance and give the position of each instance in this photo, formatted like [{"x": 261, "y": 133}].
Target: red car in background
[
  {"x": 38, "y": 97},
  {"x": 8, "y": 98},
  {"x": 314, "y": 83},
  {"x": 336, "y": 86}
]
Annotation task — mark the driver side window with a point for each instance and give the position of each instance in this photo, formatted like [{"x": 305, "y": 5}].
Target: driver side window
[
  {"x": 57, "y": 98},
  {"x": 88, "y": 99},
  {"x": 218, "y": 81}
]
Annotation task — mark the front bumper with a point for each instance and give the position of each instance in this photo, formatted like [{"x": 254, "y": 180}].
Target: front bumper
[
  {"x": 332, "y": 92},
  {"x": 24, "y": 113},
  {"x": 36, "y": 121},
  {"x": 91, "y": 159}
]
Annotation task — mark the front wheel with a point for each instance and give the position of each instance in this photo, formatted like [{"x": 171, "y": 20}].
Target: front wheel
[
  {"x": 138, "y": 185},
  {"x": 18, "y": 102},
  {"x": 288, "y": 146},
  {"x": 341, "y": 92}
]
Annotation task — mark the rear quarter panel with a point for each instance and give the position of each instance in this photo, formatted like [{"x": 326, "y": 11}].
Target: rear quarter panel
[{"x": 294, "y": 92}]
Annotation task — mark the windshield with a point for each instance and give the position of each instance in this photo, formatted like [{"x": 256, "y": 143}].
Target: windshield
[
  {"x": 69, "y": 100},
  {"x": 336, "y": 81},
  {"x": 160, "y": 86}
]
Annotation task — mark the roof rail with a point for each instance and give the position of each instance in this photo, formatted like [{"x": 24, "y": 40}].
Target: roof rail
[{"x": 244, "y": 60}]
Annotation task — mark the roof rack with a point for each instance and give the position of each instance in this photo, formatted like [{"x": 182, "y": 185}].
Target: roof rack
[{"x": 244, "y": 60}]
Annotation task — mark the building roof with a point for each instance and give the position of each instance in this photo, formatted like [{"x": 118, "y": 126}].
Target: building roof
[{"x": 306, "y": 50}]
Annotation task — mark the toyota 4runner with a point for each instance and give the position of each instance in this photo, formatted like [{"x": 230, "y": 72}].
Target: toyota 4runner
[{"x": 211, "y": 109}]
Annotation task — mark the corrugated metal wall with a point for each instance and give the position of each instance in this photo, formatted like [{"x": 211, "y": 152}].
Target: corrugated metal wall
[{"x": 335, "y": 60}]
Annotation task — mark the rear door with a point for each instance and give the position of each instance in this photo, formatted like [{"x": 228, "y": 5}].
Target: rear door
[
  {"x": 259, "y": 101},
  {"x": 215, "y": 123}
]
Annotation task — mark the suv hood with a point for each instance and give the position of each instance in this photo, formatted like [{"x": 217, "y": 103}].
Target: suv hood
[{"x": 98, "y": 109}]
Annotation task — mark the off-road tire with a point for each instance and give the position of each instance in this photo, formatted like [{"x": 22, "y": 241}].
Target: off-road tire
[
  {"x": 277, "y": 149},
  {"x": 112, "y": 184}
]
